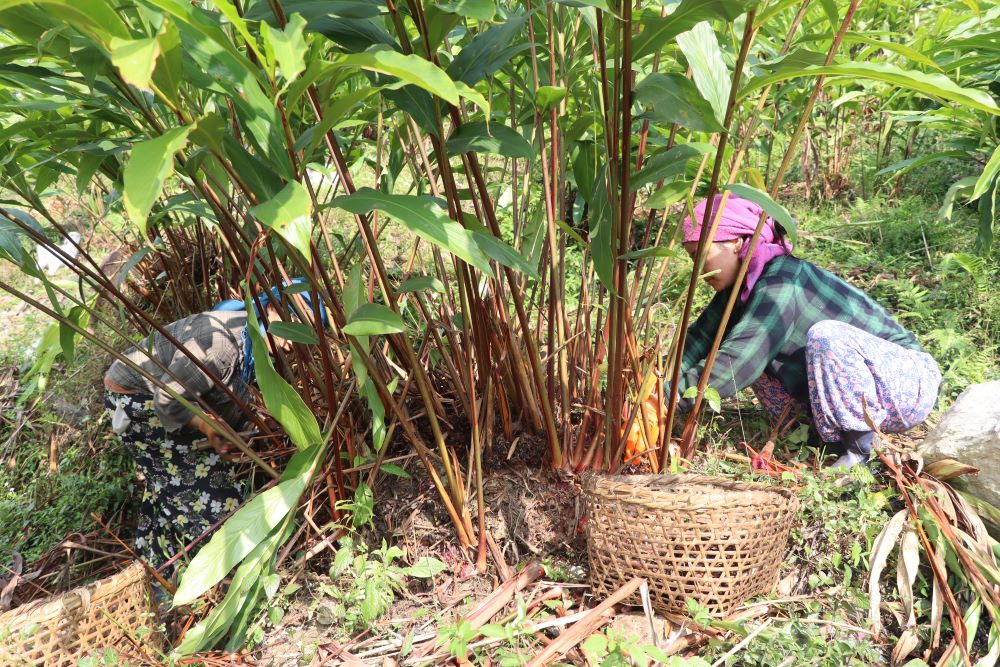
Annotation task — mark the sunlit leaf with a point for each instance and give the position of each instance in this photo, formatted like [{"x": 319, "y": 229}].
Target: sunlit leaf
[
  {"x": 675, "y": 99},
  {"x": 135, "y": 59},
  {"x": 150, "y": 164},
  {"x": 708, "y": 68},
  {"x": 290, "y": 214},
  {"x": 421, "y": 216}
]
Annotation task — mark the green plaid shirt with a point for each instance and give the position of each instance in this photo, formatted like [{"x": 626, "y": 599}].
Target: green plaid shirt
[{"x": 767, "y": 334}]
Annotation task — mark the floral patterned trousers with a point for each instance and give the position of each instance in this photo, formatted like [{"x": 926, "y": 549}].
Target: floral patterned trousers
[
  {"x": 846, "y": 364},
  {"x": 188, "y": 490}
]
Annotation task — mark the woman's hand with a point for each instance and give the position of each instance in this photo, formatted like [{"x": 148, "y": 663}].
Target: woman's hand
[{"x": 210, "y": 428}]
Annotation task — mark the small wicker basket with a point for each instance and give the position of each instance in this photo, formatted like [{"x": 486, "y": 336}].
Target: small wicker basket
[
  {"x": 711, "y": 539},
  {"x": 57, "y": 631}
]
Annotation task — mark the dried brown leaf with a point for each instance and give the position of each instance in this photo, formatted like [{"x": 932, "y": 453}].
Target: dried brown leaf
[
  {"x": 945, "y": 469},
  {"x": 906, "y": 571},
  {"x": 907, "y": 643},
  {"x": 881, "y": 549}
]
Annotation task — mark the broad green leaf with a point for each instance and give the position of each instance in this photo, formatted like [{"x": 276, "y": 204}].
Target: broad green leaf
[
  {"x": 290, "y": 214},
  {"x": 238, "y": 537},
  {"x": 281, "y": 400},
  {"x": 489, "y": 51},
  {"x": 289, "y": 46},
  {"x": 908, "y": 52},
  {"x": 148, "y": 168},
  {"x": 410, "y": 69},
  {"x": 987, "y": 218},
  {"x": 297, "y": 332},
  {"x": 421, "y": 216},
  {"x": 668, "y": 195},
  {"x": 496, "y": 139},
  {"x": 778, "y": 212},
  {"x": 548, "y": 97},
  {"x": 601, "y": 242},
  {"x": 957, "y": 188},
  {"x": 169, "y": 72},
  {"x": 481, "y": 10},
  {"x": 668, "y": 163},
  {"x": 227, "y": 9},
  {"x": 989, "y": 175},
  {"x": 500, "y": 252},
  {"x": 373, "y": 319},
  {"x": 135, "y": 59},
  {"x": 657, "y": 30},
  {"x": 708, "y": 69},
  {"x": 420, "y": 283},
  {"x": 675, "y": 99},
  {"x": 94, "y": 17},
  {"x": 425, "y": 568},
  {"x": 937, "y": 86}
]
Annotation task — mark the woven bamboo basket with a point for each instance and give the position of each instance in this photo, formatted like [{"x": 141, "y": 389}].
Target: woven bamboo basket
[
  {"x": 57, "y": 631},
  {"x": 690, "y": 536}
]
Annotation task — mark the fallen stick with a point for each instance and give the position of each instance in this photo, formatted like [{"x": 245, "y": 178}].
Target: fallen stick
[
  {"x": 583, "y": 628},
  {"x": 537, "y": 627},
  {"x": 491, "y": 605}
]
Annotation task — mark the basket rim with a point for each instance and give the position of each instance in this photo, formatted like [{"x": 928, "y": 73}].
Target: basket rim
[
  {"x": 692, "y": 490},
  {"x": 45, "y": 609}
]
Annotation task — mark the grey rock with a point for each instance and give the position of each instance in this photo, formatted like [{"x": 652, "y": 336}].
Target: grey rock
[{"x": 970, "y": 433}]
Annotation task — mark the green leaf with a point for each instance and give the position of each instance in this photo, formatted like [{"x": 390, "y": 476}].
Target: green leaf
[
  {"x": 601, "y": 242},
  {"x": 675, "y": 99},
  {"x": 420, "y": 283},
  {"x": 657, "y": 30},
  {"x": 668, "y": 163},
  {"x": 500, "y": 252},
  {"x": 713, "y": 399},
  {"x": 708, "y": 69},
  {"x": 548, "y": 97},
  {"x": 290, "y": 214},
  {"x": 281, "y": 400},
  {"x": 289, "y": 46},
  {"x": 372, "y": 319},
  {"x": 668, "y": 195},
  {"x": 421, "y": 216},
  {"x": 481, "y": 10},
  {"x": 425, "y": 568},
  {"x": 238, "y": 537},
  {"x": 989, "y": 175},
  {"x": 936, "y": 86},
  {"x": 496, "y": 139},
  {"x": 489, "y": 51},
  {"x": 297, "y": 332},
  {"x": 169, "y": 72},
  {"x": 910, "y": 164},
  {"x": 987, "y": 217},
  {"x": 771, "y": 207},
  {"x": 135, "y": 59},
  {"x": 150, "y": 165},
  {"x": 410, "y": 69}
]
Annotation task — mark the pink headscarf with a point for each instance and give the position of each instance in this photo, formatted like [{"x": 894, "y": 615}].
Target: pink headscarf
[{"x": 739, "y": 219}]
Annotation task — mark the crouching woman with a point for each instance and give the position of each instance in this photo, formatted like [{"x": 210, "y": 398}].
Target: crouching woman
[
  {"x": 190, "y": 485},
  {"x": 799, "y": 334}
]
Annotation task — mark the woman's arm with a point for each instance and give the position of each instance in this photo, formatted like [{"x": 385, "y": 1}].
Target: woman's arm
[{"x": 752, "y": 343}]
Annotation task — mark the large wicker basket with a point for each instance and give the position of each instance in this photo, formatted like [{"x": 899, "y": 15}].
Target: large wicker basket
[
  {"x": 690, "y": 536},
  {"x": 57, "y": 631}
]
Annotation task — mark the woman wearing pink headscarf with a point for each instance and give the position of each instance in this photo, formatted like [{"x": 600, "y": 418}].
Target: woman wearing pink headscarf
[{"x": 801, "y": 334}]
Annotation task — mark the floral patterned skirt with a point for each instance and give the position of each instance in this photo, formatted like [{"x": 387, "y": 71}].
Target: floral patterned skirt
[
  {"x": 188, "y": 490},
  {"x": 846, "y": 365}
]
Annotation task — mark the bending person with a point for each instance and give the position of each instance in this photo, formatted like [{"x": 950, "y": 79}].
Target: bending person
[{"x": 801, "y": 334}]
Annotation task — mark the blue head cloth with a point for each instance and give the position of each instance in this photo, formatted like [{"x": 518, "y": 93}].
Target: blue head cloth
[{"x": 247, "y": 371}]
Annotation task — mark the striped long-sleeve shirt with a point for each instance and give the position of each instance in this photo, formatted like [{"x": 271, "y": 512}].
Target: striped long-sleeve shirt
[{"x": 767, "y": 334}]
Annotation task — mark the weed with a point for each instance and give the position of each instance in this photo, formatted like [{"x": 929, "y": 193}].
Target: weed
[{"x": 364, "y": 584}]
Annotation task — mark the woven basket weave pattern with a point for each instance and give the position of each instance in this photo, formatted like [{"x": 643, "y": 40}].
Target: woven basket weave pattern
[
  {"x": 714, "y": 540},
  {"x": 57, "y": 631}
]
